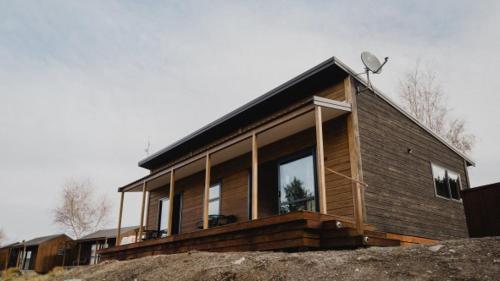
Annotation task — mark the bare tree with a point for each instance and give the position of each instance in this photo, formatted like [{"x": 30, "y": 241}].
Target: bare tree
[
  {"x": 81, "y": 210},
  {"x": 422, "y": 95}
]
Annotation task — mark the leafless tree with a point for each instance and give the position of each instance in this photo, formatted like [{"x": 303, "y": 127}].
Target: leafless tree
[
  {"x": 422, "y": 95},
  {"x": 81, "y": 210}
]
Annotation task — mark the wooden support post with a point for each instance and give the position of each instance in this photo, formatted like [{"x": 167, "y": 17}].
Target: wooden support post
[
  {"x": 207, "y": 192},
  {"x": 171, "y": 202},
  {"x": 320, "y": 158},
  {"x": 8, "y": 259},
  {"x": 143, "y": 203},
  {"x": 255, "y": 178},
  {"x": 79, "y": 253},
  {"x": 23, "y": 258},
  {"x": 355, "y": 154},
  {"x": 18, "y": 258},
  {"x": 120, "y": 214}
]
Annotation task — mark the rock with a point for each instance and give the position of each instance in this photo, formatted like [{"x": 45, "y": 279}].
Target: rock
[
  {"x": 435, "y": 248},
  {"x": 239, "y": 261}
]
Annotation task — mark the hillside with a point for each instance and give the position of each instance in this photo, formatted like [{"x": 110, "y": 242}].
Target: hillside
[{"x": 466, "y": 259}]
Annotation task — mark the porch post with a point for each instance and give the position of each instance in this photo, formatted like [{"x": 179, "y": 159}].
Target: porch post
[
  {"x": 320, "y": 158},
  {"x": 143, "y": 203},
  {"x": 79, "y": 253},
  {"x": 255, "y": 167},
  {"x": 207, "y": 190},
  {"x": 8, "y": 259},
  {"x": 355, "y": 154},
  {"x": 120, "y": 213},
  {"x": 171, "y": 203}
]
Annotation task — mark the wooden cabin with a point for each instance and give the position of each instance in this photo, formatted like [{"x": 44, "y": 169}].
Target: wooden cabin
[
  {"x": 40, "y": 254},
  {"x": 482, "y": 210},
  {"x": 87, "y": 247},
  {"x": 320, "y": 162}
]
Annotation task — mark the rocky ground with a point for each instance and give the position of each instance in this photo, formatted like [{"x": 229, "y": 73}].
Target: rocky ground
[{"x": 466, "y": 259}]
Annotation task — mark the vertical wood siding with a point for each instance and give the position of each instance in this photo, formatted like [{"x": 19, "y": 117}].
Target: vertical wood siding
[{"x": 400, "y": 197}]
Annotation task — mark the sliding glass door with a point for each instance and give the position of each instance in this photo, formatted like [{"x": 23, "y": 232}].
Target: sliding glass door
[{"x": 297, "y": 184}]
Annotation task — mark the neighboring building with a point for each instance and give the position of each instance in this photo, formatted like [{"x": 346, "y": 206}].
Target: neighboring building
[
  {"x": 86, "y": 247},
  {"x": 288, "y": 169},
  {"x": 40, "y": 254},
  {"x": 482, "y": 210}
]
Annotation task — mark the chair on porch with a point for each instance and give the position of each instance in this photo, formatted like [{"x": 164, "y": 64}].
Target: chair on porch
[{"x": 217, "y": 220}]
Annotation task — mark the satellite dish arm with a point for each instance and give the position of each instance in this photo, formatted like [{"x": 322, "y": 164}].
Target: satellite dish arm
[{"x": 382, "y": 65}]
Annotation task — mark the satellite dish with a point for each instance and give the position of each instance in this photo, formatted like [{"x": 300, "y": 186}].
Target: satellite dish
[{"x": 372, "y": 64}]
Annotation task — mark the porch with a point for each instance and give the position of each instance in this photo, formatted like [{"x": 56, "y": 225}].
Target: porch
[{"x": 304, "y": 159}]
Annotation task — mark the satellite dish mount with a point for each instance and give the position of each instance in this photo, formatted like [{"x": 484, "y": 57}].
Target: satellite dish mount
[{"x": 373, "y": 65}]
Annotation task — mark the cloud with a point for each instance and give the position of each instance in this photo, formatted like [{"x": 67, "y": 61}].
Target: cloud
[{"x": 84, "y": 84}]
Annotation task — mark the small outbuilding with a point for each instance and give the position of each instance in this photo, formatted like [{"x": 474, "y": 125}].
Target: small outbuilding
[
  {"x": 40, "y": 254},
  {"x": 88, "y": 246}
]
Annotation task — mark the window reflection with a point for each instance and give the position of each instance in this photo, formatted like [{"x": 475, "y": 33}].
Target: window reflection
[
  {"x": 297, "y": 185},
  {"x": 446, "y": 182}
]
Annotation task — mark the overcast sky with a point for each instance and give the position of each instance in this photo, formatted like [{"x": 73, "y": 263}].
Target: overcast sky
[{"x": 85, "y": 84}]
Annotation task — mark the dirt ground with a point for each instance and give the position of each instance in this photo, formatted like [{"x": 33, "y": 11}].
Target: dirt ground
[{"x": 467, "y": 259}]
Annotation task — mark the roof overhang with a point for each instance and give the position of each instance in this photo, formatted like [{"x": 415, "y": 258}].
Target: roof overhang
[{"x": 300, "y": 119}]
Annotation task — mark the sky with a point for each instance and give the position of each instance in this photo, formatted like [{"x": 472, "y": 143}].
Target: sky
[{"x": 85, "y": 84}]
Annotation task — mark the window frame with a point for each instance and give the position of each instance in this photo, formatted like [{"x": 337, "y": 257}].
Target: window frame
[
  {"x": 160, "y": 210},
  {"x": 219, "y": 183},
  {"x": 460, "y": 187},
  {"x": 311, "y": 151}
]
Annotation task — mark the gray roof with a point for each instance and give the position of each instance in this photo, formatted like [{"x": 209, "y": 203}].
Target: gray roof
[
  {"x": 106, "y": 233},
  {"x": 37, "y": 241}
]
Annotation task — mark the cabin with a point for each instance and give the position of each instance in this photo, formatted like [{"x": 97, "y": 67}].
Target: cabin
[
  {"x": 88, "y": 246},
  {"x": 322, "y": 161},
  {"x": 482, "y": 210},
  {"x": 40, "y": 254}
]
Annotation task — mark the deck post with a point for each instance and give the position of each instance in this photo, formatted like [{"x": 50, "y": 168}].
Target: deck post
[
  {"x": 171, "y": 203},
  {"x": 207, "y": 192},
  {"x": 143, "y": 203},
  {"x": 355, "y": 154},
  {"x": 255, "y": 178},
  {"x": 8, "y": 259},
  {"x": 79, "y": 253},
  {"x": 320, "y": 158},
  {"x": 120, "y": 213}
]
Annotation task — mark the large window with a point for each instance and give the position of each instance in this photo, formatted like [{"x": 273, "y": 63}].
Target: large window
[
  {"x": 94, "y": 256},
  {"x": 27, "y": 260},
  {"x": 297, "y": 185},
  {"x": 214, "y": 200},
  {"x": 446, "y": 182}
]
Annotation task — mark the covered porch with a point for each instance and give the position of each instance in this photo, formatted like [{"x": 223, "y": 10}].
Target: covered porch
[{"x": 278, "y": 187}]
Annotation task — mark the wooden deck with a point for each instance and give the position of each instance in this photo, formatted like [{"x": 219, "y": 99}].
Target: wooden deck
[{"x": 295, "y": 231}]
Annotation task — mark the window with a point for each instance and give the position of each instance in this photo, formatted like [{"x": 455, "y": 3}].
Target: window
[
  {"x": 162, "y": 214},
  {"x": 214, "y": 200},
  {"x": 297, "y": 184},
  {"x": 446, "y": 182}
]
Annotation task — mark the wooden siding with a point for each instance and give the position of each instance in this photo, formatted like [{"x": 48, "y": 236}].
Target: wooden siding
[
  {"x": 400, "y": 197},
  {"x": 47, "y": 254},
  {"x": 482, "y": 210}
]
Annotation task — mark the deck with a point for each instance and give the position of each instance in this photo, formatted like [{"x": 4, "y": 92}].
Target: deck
[{"x": 295, "y": 231}]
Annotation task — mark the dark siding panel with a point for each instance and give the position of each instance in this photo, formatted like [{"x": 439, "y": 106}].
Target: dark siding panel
[{"x": 400, "y": 197}]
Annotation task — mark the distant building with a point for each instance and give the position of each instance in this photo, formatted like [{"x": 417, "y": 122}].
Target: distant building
[
  {"x": 86, "y": 247},
  {"x": 40, "y": 254}
]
